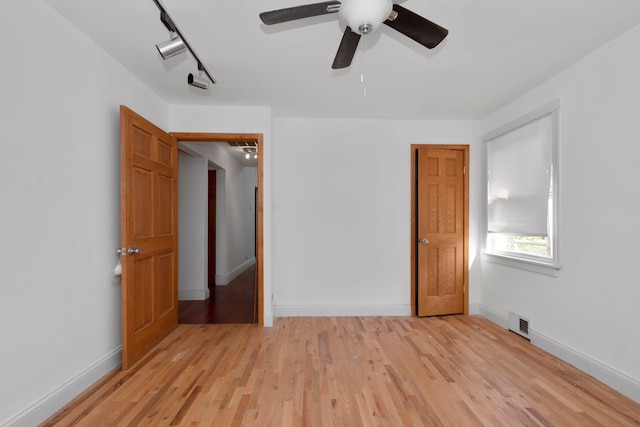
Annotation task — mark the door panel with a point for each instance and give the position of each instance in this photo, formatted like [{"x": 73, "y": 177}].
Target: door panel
[
  {"x": 164, "y": 217},
  {"x": 148, "y": 180},
  {"x": 142, "y": 273},
  {"x": 440, "y": 220},
  {"x": 142, "y": 190}
]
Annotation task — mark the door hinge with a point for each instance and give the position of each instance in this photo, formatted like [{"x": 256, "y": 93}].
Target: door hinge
[{"x": 464, "y": 170}]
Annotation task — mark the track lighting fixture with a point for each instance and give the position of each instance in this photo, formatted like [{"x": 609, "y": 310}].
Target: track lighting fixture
[
  {"x": 198, "y": 81},
  {"x": 178, "y": 44},
  {"x": 172, "y": 47}
]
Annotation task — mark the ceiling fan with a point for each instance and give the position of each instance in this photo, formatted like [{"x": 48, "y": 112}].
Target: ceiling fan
[{"x": 363, "y": 17}]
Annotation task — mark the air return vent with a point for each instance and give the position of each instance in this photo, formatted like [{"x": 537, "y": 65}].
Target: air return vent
[
  {"x": 242, "y": 143},
  {"x": 519, "y": 324}
]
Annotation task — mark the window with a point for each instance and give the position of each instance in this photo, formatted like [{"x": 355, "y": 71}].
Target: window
[{"x": 522, "y": 189}]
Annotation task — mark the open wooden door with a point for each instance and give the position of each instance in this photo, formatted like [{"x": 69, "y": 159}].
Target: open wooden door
[
  {"x": 149, "y": 221},
  {"x": 441, "y": 237}
]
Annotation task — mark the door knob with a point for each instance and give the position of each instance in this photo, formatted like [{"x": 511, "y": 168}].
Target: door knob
[
  {"x": 134, "y": 251},
  {"x": 424, "y": 241}
]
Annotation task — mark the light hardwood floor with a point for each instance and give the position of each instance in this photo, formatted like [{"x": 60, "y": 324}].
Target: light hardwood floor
[{"x": 350, "y": 371}]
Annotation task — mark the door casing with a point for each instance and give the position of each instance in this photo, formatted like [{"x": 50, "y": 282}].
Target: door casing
[{"x": 414, "y": 222}]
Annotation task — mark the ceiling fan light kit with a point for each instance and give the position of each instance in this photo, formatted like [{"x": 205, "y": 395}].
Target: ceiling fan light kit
[{"x": 362, "y": 17}]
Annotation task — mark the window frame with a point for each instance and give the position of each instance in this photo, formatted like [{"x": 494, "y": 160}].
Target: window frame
[{"x": 549, "y": 266}]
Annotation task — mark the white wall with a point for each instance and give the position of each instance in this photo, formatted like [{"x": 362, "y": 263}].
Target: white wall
[
  {"x": 193, "y": 228},
  {"x": 243, "y": 247},
  {"x": 192, "y": 118},
  {"x": 341, "y": 213},
  {"x": 589, "y": 314},
  {"x": 239, "y": 221},
  {"x": 235, "y": 221},
  {"x": 59, "y": 181}
]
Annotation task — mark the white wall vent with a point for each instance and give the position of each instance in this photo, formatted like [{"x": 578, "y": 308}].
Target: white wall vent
[{"x": 519, "y": 324}]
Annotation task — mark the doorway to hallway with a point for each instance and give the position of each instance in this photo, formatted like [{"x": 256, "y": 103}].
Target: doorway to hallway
[{"x": 237, "y": 281}]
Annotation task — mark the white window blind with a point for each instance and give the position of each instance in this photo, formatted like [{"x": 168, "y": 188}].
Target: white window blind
[{"x": 519, "y": 179}]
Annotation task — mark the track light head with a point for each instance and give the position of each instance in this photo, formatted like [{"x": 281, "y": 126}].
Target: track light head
[
  {"x": 197, "y": 81},
  {"x": 172, "y": 47}
]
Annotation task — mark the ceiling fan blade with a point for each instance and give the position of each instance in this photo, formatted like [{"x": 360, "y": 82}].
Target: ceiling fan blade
[
  {"x": 347, "y": 49},
  {"x": 417, "y": 28},
  {"x": 299, "y": 12}
]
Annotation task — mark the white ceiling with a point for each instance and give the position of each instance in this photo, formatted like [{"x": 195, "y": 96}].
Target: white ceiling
[
  {"x": 496, "y": 51},
  {"x": 238, "y": 154}
]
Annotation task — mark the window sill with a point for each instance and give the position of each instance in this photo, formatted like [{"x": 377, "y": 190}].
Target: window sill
[{"x": 523, "y": 264}]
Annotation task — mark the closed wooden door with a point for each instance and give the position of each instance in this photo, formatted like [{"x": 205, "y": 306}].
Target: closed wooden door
[
  {"x": 440, "y": 231},
  {"x": 149, "y": 221}
]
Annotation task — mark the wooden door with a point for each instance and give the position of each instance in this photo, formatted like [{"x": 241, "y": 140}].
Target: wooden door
[
  {"x": 440, "y": 231},
  {"x": 149, "y": 221},
  {"x": 211, "y": 220}
]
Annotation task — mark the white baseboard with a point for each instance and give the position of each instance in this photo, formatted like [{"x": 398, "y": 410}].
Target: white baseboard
[
  {"x": 496, "y": 318},
  {"x": 42, "y": 409},
  {"x": 334, "y": 310},
  {"x": 268, "y": 320},
  {"x": 225, "y": 279},
  {"x": 193, "y": 295},
  {"x": 615, "y": 379}
]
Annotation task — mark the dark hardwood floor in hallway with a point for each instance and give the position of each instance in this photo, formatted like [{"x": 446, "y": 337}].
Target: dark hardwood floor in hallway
[{"x": 233, "y": 303}]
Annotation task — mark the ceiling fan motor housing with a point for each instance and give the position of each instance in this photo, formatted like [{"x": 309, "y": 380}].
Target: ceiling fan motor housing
[{"x": 364, "y": 16}]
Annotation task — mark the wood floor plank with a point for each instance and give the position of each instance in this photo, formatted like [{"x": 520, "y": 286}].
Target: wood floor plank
[{"x": 350, "y": 371}]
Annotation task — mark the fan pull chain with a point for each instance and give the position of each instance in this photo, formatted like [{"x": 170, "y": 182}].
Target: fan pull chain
[{"x": 364, "y": 65}]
